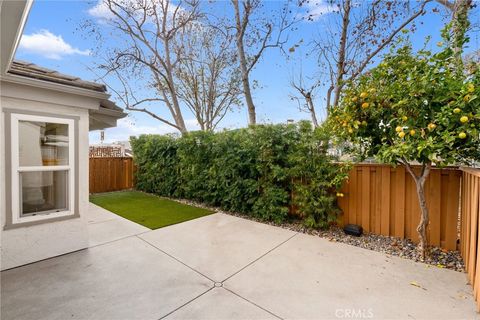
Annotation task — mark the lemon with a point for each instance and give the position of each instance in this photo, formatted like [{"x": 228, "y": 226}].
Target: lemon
[
  {"x": 365, "y": 105},
  {"x": 462, "y": 135},
  {"x": 398, "y": 129},
  {"x": 431, "y": 126},
  {"x": 470, "y": 87},
  {"x": 456, "y": 110},
  {"x": 466, "y": 98},
  {"x": 404, "y": 118},
  {"x": 350, "y": 130},
  {"x": 412, "y": 132},
  {"x": 401, "y": 134},
  {"x": 354, "y": 99},
  {"x": 464, "y": 119},
  {"x": 363, "y": 94}
]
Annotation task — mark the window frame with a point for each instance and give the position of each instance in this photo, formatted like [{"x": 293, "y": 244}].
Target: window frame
[{"x": 16, "y": 169}]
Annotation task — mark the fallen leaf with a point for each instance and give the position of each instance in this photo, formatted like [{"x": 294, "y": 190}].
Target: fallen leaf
[{"x": 415, "y": 284}]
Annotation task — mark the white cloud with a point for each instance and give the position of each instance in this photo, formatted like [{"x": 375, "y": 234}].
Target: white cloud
[
  {"x": 318, "y": 8},
  {"x": 100, "y": 11},
  {"x": 48, "y": 45}
]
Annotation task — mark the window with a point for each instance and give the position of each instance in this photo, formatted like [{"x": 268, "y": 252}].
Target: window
[{"x": 42, "y": 167}]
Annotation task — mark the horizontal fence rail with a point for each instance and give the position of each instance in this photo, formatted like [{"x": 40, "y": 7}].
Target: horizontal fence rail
[
  {"x": 383, "y": 200},
  {"x": 469, "y": 228},
  {"x": 111, "y": 174}
]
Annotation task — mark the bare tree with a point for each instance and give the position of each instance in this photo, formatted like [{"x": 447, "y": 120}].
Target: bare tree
[
  {"x": 305, "y": 95},
  {"x": 253, "y": 37},
  {"x": 168, "y": 58},
  {"x": 358, "y": 32},
  {"x": 208, "y": 81},
  {"x": 144, "y": 53}
]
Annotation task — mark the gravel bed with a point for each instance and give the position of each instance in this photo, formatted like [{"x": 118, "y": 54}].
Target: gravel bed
[{"x": 389, "y": 245}]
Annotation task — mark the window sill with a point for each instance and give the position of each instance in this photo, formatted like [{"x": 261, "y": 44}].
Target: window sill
[{"x": 41, "y": 219}]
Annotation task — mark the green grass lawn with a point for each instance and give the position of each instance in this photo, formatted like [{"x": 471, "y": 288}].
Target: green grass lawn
[{"x": 146, "y": 209}]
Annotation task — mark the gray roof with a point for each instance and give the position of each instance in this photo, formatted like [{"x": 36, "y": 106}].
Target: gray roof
[{"x": 31, "y": 70}]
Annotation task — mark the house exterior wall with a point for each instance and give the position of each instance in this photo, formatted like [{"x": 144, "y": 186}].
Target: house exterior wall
[{"x": 22, "y": 245}]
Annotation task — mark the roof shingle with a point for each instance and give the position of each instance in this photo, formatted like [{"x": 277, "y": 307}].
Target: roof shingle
[{"x": 31, "y": 70}]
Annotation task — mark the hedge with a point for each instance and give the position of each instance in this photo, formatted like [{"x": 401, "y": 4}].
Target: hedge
[{"x": 253, "y": 171}]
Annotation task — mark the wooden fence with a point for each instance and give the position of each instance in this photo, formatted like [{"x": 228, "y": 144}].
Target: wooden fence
[
  {"x": 111, "y": 174},
  {"x": 469, "y": 228},
  {"x": 383, "y": 200}
]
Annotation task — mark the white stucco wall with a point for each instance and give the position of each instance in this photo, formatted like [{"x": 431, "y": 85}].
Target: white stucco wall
[{"x": 24, "y": 245}]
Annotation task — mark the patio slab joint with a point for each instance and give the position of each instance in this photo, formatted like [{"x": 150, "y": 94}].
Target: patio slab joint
[
  {"x": 176, "y": 259},
  {"x": 262, "y": 256}
]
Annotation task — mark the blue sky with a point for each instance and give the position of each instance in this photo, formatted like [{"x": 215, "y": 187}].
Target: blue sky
[{"x": 52, "y": 39}]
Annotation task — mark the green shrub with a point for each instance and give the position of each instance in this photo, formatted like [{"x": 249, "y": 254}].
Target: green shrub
[
  {"x": 252, "y": 171},
  {"x": 317, "y": 178}
]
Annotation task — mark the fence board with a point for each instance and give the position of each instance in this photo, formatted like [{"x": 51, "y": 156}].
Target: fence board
[
  {"x": 434, "y": 188},
  {"x": 111, "y": 174},
  {"x": 469, "y": 227},
  {"x": 383, "y": 199},
  {"x": 385, "y": 211}
]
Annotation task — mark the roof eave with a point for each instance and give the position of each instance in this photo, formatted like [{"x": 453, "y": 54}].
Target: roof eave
[
  {"x": 23, "y": 80},
  {"x": 13, "y": 17}
]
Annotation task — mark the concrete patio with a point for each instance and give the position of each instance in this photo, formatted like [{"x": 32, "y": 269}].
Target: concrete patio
[{"x": 223, "y": 267}]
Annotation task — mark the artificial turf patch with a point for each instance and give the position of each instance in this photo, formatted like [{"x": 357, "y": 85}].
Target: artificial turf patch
[{"x": 146, "y": 209}]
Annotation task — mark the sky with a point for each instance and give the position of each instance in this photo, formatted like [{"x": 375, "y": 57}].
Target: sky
[{"x": 53, "y": 38}]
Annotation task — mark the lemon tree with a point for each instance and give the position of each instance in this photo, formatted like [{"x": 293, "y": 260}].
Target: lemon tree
[{"x": 414, "y": 107}]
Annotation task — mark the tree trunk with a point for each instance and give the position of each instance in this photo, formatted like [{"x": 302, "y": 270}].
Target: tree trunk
[
  {"x": 311, "y": 107},
  {"x": 252, "y": 116},
  {"x": 424, "y": 217},
  {"x": 240, "y": 28},
  {"x": 342, "y": 52},
  {"x": 460, "y": 25},
  {"x": 176, "y": 105}
]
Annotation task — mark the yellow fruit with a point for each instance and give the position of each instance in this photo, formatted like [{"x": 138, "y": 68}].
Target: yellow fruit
[
  {"x": 344, "y": 124},
  {"x": 456, "y": 110},
  {"x": 404, "y": 118},
  {"x": 470, "y": 87},
  {"x": 354, "y": 99},
  {"x": 365, "y": 105},
  {"x": 399, "y": 129},
  {"x": 464, "y": 119},
  {"x": 466, "y": 98},
  {"x": 401, "y": 134},
  {"x": 350, "y": 130},
  {"x": 412, "y": 132},
  {"x": 363, "y": 94},
  {"x": 431, "y": 126},
  {"x": 462, "y": 135}
]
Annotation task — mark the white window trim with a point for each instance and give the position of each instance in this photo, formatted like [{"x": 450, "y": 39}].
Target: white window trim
[{"x": 16, "y": 169}]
